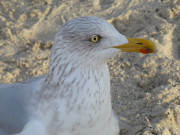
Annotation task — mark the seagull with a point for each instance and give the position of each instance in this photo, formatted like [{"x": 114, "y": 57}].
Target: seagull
[{"x": 74, "y": 97}]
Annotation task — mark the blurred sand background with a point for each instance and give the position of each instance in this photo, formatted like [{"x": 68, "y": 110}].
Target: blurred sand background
[{"x": 145, "y": 88}]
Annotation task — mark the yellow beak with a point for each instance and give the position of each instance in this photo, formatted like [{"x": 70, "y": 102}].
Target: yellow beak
[{"x": 138, "y": 45}]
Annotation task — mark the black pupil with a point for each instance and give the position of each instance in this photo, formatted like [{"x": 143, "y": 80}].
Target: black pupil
[{"x": 95, "y": 38}]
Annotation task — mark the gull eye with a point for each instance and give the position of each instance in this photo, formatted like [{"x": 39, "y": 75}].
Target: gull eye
[{"x": 95, "y": 38}]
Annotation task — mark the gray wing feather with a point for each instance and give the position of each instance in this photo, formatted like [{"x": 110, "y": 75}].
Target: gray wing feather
[{"x": 12, "y": 113}]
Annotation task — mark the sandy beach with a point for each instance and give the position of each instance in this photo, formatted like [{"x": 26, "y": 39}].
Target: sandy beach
[{"x": 145, "y": 88}]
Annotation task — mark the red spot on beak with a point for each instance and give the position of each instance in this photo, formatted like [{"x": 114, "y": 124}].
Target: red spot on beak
[{"x": 144, "y": 51}]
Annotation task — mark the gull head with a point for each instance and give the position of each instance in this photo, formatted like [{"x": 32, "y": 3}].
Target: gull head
[{"x": 94, "y": 40}]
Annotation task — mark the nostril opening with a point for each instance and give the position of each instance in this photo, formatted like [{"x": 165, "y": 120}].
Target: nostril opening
[{"x": 139, "y": 43}]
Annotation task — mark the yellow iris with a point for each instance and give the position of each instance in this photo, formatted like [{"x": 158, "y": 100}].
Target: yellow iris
[{"x": 95, "y": 38}]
